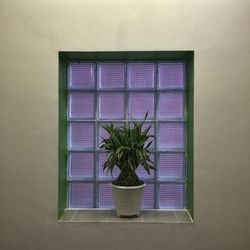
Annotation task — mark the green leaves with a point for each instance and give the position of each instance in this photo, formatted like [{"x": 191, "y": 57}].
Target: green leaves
[{"x": 127, "y": 147}]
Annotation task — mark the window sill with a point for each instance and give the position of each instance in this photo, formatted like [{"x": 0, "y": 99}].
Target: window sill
[{"x": 147, "y": 216}]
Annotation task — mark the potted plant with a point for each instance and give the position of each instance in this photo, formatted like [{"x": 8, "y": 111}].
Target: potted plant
[{"x": 126, "y": 148}]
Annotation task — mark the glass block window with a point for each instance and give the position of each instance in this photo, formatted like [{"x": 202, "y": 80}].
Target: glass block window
[{"x": 107, "y": 92}]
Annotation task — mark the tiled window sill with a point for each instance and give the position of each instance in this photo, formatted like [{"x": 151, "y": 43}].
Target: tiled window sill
[{"x": 147, "y": 216}]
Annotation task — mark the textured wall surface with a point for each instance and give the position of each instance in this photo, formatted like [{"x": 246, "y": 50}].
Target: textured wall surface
[{"x": 31, "y": 34}]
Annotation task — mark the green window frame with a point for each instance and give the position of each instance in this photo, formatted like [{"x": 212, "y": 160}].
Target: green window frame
[{"x": 66, "y": 57}]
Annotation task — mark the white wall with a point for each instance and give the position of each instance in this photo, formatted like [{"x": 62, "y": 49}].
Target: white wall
[{"x": 31, "y": 34}]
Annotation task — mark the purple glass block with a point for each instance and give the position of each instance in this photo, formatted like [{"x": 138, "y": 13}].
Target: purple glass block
[
  {"x": 148, "y": 196},
  {"x": 103, "y": 133},
  {"x": 171, "y": 75},
  {"x": 171, "y": 105},
  {"x": 140, "y": 103},
  {"x": 172, "y": 135},
  {"x": 81, "y": 75},
  {"x": 141, "y": 75},
  {"x": 172, "y": 196},
  {"x": 81, "y": 135},
  {"x": 104, "y": 174},
  {"x": 142, "y": 173},
  {"x": 111, "y": 75},
  {"x": 105, "y": 196},
  {"x": 81, "y": 105},
  {"x": 81, "y": 195},
  {"x": 171, "y": 165},
  {"x": 81, "y": 165},
  {"x": 111, "y": 105}
]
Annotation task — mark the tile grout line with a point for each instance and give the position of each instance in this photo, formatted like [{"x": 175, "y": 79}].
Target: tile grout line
[
  {"x": 178, "y": 221},
  {"x": 190, "y": 218},
  {"x": 73, "y": 215}
]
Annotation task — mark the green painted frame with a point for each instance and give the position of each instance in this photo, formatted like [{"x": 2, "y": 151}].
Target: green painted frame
[
  {"x": 66, "y": 56},
  {"x": 190, "y": 134},
  {"x": 62, "y": 135}
]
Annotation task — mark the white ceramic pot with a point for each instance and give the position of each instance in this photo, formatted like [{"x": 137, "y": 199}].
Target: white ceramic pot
[{"x": 128, "y": 200}]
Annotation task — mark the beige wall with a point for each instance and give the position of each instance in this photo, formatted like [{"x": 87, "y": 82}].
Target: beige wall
[{"x": 31, "y": 34}]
